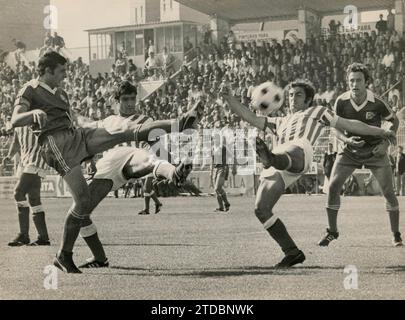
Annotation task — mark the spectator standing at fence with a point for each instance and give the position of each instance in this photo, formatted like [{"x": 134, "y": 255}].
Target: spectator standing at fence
[
  {"x": 58, "y": 41},
  {"x": 400, "y": 171},
  {"x": 390, "y": 20},
  {"x": 381, "y": 25}
]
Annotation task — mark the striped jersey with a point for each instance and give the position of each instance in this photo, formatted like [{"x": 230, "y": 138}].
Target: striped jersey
[
  {"x": 307, "y": 124},
  {"x": 36, "y": 94},
  {"x": 30, "y": 150}
]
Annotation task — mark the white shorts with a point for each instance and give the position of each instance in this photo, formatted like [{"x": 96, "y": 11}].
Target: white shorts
[
  {"x": 110, "y": 166},
  {"x": 288, "y": 177}
]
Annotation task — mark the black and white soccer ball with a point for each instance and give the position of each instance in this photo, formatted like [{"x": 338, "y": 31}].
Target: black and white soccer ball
[{"x": 267, "y": 97}]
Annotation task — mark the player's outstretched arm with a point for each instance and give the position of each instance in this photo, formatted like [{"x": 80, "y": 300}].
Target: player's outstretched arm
[
  {"x": 352, "y": 141},
  {"x": 358, "y": 127},
  {"x": 246, "y": 114},
  {"x": 22, "y": 117}
]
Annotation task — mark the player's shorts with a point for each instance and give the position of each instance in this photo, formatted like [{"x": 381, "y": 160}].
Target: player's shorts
[
  {"x": 349, "y": 160},
  {"x": 289, "y": 177},
  {"x": 66, "y": 149},
  {"x": 221, "y": 171},
  {"x": 111, "y": 165},
  {"x": 31, "y": 169}
]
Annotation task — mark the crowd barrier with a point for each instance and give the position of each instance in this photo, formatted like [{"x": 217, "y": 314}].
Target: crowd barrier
[{"x": 240, "y": 184}]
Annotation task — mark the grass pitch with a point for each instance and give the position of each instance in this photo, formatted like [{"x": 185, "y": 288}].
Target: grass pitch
[{"x": 189, "y": 252}]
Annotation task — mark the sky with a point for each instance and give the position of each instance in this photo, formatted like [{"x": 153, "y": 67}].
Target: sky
[{"x": 75, "y": 16}]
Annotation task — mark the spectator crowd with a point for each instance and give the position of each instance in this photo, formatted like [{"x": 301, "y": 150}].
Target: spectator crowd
[{"x": 239, "y": 66}]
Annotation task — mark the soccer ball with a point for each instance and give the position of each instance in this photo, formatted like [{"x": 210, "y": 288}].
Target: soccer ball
[{"x": 267, "y": 97}]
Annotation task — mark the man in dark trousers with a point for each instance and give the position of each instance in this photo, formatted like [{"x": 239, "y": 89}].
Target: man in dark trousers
[{"x": 400, "y": 171}]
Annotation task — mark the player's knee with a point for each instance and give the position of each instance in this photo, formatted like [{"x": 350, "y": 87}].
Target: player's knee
[
  {"x": 87, "y": 230},
  {"x": 334, "y": 188},
  {"x": 36, "y": 209},
  {"x": 19, "y": 195},
  {"x": 260, "y": 213},
  {"x": 86, "y": 221},
  {"x": 83, "y": 206},
  {"x": 34, "y": 201},
  {"x": 388, "y": 191}
]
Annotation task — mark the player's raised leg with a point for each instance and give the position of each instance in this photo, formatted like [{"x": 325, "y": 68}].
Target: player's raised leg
[{"x": 384, "y": 178}]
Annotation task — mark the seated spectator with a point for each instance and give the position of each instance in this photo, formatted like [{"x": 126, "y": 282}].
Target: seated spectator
[
  {"x": 388, "y": 58},
  {"x": 151, "y": 63},
  {"x": 131, "y": 67}
]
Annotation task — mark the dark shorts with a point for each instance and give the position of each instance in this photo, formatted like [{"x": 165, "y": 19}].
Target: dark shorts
[
  {"x": 66, "y": 149},
  {"x": 348, "y": 160},
  {"x": 30, "y": 184},
  {"x": 222, "y": 171}
]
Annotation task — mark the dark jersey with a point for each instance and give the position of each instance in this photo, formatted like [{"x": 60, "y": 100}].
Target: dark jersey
[
  {"x": 37, "y": 95},
  {"x": 372, "y": 112}
]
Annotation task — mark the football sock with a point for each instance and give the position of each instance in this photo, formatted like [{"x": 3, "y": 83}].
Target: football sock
[
  {"x": 24, "y": 219},
  {"x": 219, "y": 199},
  {"x": 155, "y": 198},
  {"x": 96, "y": 247},
  {"x": 280, "y": 234},
  {"x": 70, "y": 232},
  {"x": 225, "y": 199},
  {"x": 40, "y": 225},
  {"x": 332, "y": 219},
  {"x": 147, "y": 203},
  {"x": 394, "y": 220}
]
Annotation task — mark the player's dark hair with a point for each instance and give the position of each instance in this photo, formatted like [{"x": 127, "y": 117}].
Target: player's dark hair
[
  {"x": 308, "y": 87},
  {"x": 125, "y": 88},
  {"x": 50, "y": 60},
  {"x": 359, "y": 67}
]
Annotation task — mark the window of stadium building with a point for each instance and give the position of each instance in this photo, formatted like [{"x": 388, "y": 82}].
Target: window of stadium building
[
  {"x": 169, "y": 37},
  {"x": 124, "y": 42},
  {"x": 139, "y": 38},
  {"x": 101, "y": 46},
  {"x": 190, "y": 34}
]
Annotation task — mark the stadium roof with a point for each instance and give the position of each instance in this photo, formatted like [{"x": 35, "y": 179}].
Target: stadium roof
[
  {"x": 242, "y": 10},
  {"x": 140, "y": 26}
]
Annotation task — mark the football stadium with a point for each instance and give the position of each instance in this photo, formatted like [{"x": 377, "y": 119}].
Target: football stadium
[{"x": 202, "y": 150}]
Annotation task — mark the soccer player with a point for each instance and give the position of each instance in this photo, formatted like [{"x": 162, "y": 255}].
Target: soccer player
[
  {"x": 364, "y": 150},
  {"x": 31, "y": 169},
  {"x": 121, "y": 164},
  {"x": 220, "y": 169},
  {"x": 116, "y": 168},
  {"x": 149, "y": 193},
  {"x": 296, "y": 133},
  {"x": 44, "y": 105}
]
